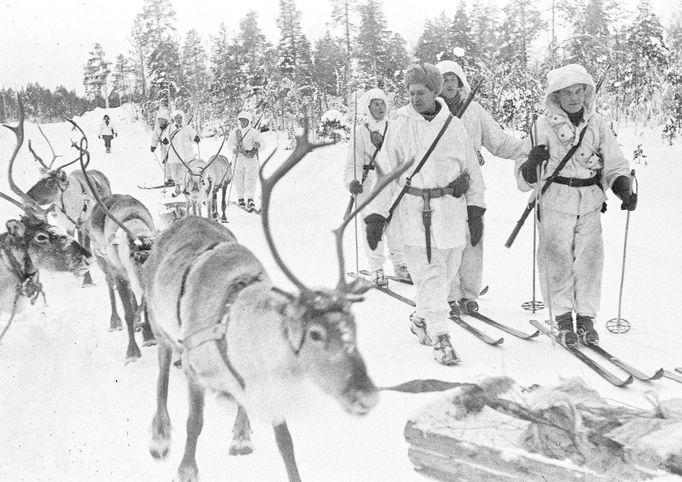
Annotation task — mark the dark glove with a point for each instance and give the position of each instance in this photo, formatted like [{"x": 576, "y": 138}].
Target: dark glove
[
  {"x": 115, "y": 134},
  {"x": 461, "y": 184},
  {"x": 536, "y": 156},
  {"x": 475, "y": 220},
  {"x": 164, "y": 142},
  {"x": 374, "y": 229},
  {"x": 621, "y": 188},
  {"x": 355, "y": 187},
  {"x": 99, "y": 137},
  {"x": 197, "y": 139},
  {"x": 153, "y": 148}
]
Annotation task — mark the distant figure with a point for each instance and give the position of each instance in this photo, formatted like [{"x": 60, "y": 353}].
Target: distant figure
[
  {"x": 181, "y": 149},
  {"x": 245, "y": 143},
  {"x": 107, "y": 132},
  {"x": 159, "y": 139}
]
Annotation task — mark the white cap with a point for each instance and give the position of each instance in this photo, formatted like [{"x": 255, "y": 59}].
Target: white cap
[
  {"x": 245, "y": 115},
  {"x": 449, "y": 66},
  {"x": 567, "y": 76}
]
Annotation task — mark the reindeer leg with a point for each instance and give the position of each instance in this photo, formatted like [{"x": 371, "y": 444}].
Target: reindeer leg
[
  {"x": 161, "y": 426},
  {"x": 286, "y": 450},
  {"x": 124, "y": 292},
  {"x": 84, "y": 241},
  {"x": 114, "y": 320},
  {"x": 188, "y": 470},
  {"x": 148, "y": 338},
  {"x": 223, "y": 203},
  {"x": 241, "y": 438}
]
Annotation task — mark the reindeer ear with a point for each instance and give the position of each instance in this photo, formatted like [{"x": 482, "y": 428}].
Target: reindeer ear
[
  {"x": 295, "y": 332},
  {"x": 15, "y": 228}
]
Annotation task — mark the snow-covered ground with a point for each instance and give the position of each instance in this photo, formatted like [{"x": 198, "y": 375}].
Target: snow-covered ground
[{"x": 71, "y": 411}]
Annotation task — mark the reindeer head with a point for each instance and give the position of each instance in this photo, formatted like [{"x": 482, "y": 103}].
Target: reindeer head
[
  {"x": 319, "y": 323},
  {"x": 196, "y": 183},
  {"x": 45, "y": 245}
]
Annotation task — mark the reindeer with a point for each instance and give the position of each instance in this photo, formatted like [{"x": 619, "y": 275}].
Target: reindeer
[
  {"x": 70, "y": 195},
  {"x": 211, "y": 301},
  {"x": 203, "y": 180},
  {"x": 121, "y": 229},
  {"x": 30, "y": 244}
]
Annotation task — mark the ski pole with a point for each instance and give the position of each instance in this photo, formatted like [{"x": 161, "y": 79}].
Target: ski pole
[{"x": 619, "y": 325}]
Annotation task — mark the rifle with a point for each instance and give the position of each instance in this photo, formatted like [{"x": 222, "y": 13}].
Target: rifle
[{"x": 553, "y": 176}]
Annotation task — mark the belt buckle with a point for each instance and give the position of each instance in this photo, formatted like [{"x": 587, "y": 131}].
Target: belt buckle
[{"x": 571, "y": 180}]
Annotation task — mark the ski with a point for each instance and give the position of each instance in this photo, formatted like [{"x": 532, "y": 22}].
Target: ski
[
  {"x": 678, "y": 369},
  {"x": 160, "y": 186},
  {"x": 479, "y": 334},
  {"x": 621, "y": 364},
  {"x": 389, "y": 277},
  {"x": 387, "y": 291},
  {"x": 254, "y": 211},
  {"x": 505, "y": 328},
  {"x": 603, "y": 372},
  {"x": 673, "y": 375}
]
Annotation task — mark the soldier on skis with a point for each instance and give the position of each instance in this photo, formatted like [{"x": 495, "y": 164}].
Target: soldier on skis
[
  {"x": 245, "y": 142},
  {"x": 485, "y": 132},
  {"x": 159, "y": 139},
  {"x": 438, "y": 201},
  {"x": 182, "y": 140},
  {"x": 360, "y": 178},
  {"x": 570, "y": 251}
]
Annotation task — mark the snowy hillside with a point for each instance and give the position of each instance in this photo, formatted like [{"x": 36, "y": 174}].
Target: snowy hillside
[{"x": 71, "y": 411}]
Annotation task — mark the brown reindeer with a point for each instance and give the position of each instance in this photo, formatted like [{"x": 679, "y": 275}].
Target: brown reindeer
[
  {"x": 30, "y": 244},
  {"x": 211, "y": 302},
  {"x": 121, "y": 229},
  {"x": 70, "y": 195}
]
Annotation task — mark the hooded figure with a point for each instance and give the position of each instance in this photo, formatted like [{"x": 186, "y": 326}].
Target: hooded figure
[
  {"x": 245, "y": 141},
  {"x": 159, "y": 136},
  {"x": 483, "y": 132},
  {"x": 182, "y": 139},
  {"x": 570, "y": 250},
  {"x": 360, "y": 179},
  {"x": 439, "y": 201},
  {"x": 107, "y": 131}
]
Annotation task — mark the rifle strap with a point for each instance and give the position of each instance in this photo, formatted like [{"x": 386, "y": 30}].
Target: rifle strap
[
  {"x": 408, "y": 181},
  {"x": 370, "y": 165}
]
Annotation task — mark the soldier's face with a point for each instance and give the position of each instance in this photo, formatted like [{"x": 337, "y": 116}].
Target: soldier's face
[
  {"x": 451, "y": 84},
  {"x": 422, "y": 98},
  {"x": 178, "y": 120},
  {"x": 243, "y": 122},
  {"x": 571, "y": 98},
  {"x": 377, "y": 107},
  {"x": 162, "y": 123}
]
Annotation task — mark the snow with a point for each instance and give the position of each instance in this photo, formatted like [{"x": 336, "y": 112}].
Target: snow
[{"x": 70, "y": 410}]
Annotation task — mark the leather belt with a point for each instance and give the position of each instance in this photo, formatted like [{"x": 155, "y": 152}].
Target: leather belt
[
  {"x": 432, "y": 193},
  {"x": 576, "y": 181}
]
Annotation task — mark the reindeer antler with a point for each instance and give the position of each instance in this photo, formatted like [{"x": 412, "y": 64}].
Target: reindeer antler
[
  {"x": 189, "y": 169},
  {"x": 36, "y": 156},
  {"x": 222, "y": 128},
  {"x": 303, "y": 147},
  {"x": 29, "y": 203}
]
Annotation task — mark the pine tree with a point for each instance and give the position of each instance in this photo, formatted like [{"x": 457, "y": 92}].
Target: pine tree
[
  {"x": 434, "y": 42},
  {"x": 394, "y": 70},
  {"x": 460, "y": 35},
  {"x": 371, "y": 44},
  {"x": 483, "y": 25},
  {"x": 121, "y": 78},
  {"x": 95, "y": 75},
  {"x": 344, "y": 17},
  {"x": 294, "y": 48},
  {"x": 329, "y": 64},
  {"x": 254, "y": 46},
  {"x": 226, "y": 76},
  {"x": 139, "y": 55}
]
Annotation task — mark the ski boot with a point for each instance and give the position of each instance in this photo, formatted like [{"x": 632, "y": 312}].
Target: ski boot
[
  {"x": 250, "y": 206},
  {"x": 454, "y": 308},
  {"x": 566, "y": 335},
  {"x": 401, "y": 271},
  {"x": 169, "y": 183},
  {"x": 379, "y": 278},
  {"x": 418, "y": 328},
  {"x": 585, "y": 329},
  {"x": 468, "y": 306},
  {"x": 241, "y": 203},
  {"x": 443, "y": 352}
]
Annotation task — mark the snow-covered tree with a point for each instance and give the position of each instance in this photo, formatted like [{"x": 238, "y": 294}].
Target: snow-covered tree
[
  {"x": 95, "y": 75},
  {"x": 329, "y": 62},
  {"x": 226, "y": 76},
  {"x": 139, "y": 54},
  {"x": 344, "y": 17},
  {"x": 294, "y": 48},
  {"x": 120, "y": 79},
  {"x": 460, "y": 35},
  {"x": 434, "y": 42},
  {"x": 254, "y": 47},
  {"x": 371, "y": 44}
]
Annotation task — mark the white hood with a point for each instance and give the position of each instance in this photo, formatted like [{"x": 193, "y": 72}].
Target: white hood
[
  {"x": 567, "y": 76},
  {"x": 447, "y": 66}
]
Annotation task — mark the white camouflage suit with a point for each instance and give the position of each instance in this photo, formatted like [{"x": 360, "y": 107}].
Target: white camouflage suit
[
  {"x": 570, "y": 250},
  {"x": 183, "y": 139},
  {"x": 408, "y": 137},
  {"x": 358, "y": 158},
  {"x": 485, "y": 132},
  {"x": 247, "y": 163}
]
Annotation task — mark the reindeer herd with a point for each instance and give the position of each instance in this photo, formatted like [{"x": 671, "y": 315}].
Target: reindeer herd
[{"x": 206, "y": 299}]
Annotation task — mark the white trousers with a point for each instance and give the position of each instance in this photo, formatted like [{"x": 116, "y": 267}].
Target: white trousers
[
  {"x": 571, "y": 261},
  {"x": 467, "y": 283},
  {"x": 245, "y": 176},
  {"x": 432, "y": 282}
]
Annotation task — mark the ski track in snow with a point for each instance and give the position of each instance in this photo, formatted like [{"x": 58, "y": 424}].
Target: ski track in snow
[{"x": 71, "y": 411}]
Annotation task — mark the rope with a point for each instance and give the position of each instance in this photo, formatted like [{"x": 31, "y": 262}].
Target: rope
[{"x": 11, "y": 318}]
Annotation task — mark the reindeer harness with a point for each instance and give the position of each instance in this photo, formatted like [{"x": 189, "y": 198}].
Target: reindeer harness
[{"x": 27, "y": 276}]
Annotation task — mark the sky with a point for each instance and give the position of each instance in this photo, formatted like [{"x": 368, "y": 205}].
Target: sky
[{"x": 48, "y": 42}]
